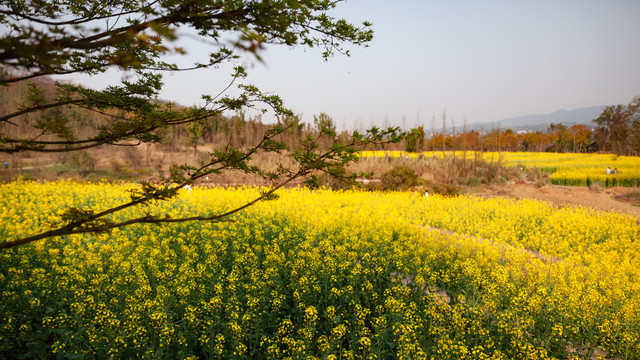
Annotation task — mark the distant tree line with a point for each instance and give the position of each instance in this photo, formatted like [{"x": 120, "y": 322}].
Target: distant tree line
[
  {"x": 557, "y": 138},
  {"x": 616, "y": 130},
  {"x": 237, "y": 130}
]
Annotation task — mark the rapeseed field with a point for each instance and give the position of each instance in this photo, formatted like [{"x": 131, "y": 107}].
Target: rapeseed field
[
  {"x": 563, "y": 168},
  {"x": 319, "y": 275}
]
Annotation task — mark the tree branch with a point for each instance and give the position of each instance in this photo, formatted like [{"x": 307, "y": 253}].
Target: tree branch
[
  {"x": 321, "y": 163},
  {"x": 38, "y": 108},
  {"x": 76, "y": 21},
  {"x": 42, "y": 40}
]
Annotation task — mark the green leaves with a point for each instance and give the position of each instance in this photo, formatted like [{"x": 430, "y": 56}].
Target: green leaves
[
  {"x": 334, "y": 161},
  {"x": 617, "y": 129},
  {"x": 84, "y": 38},
  {"x": 34, "y": 97},
  {"x": 43, "y": 38},
  {"x": 64, "y": 37},
  {"x": 265, "y": 195},
  {"x": 149, "y": 191},
  {"x": 75, "y": 218}
]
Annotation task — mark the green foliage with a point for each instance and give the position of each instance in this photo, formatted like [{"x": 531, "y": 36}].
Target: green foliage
[
  {"x": 83, "y": 218},
  {"x": 619, "y": 128},
  {"x": 325, "y": 125},
  {"x": 81, "y": 36},
  {"x": 43, "y": 38},
  {"x": 443, "y": 189},
  {"x": 337, "y": 179},
  {"x": 64, "y": 37},
  {"x": 150, "y": 191},
  {"x": 414, "y": 142},
  {"x": 399, "y": 178}
]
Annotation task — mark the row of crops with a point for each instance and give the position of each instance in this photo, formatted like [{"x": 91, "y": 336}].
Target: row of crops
[
  {"x": 319, "y": 274},
  {"x": 564, "y": 168}
]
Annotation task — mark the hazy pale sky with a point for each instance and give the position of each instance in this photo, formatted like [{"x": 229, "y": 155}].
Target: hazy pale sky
[{"x": 480, "y": 60}]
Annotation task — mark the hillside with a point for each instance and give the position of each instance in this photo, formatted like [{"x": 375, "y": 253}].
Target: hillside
[{"x": 541, "y": 121}]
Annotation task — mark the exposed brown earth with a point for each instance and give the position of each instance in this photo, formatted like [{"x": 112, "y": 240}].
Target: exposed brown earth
[{"x": 603, "y": 199}]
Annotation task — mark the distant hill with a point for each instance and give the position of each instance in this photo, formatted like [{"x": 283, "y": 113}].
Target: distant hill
[{"x": 542, "y": 121}]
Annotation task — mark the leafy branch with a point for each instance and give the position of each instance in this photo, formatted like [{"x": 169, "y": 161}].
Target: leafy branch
[
  {"x": 308, "y": 160},
  {"x": 136, "y": 98},
  {"x": 43, "y": 38}
]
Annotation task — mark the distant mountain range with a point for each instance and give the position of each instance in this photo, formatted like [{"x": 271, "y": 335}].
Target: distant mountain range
[{"x": 536, "y": 122}]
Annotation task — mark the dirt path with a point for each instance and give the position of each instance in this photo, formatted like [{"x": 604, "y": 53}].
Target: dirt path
[{"x": 609, "y": 199}]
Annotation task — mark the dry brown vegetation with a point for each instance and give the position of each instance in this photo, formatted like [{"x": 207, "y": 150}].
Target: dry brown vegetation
[{"x": 449, "y": 176}]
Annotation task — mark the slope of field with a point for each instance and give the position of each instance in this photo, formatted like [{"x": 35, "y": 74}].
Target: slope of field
[
  {"x": 320, "y": 274},
  {"x": 610, "y": 199}
]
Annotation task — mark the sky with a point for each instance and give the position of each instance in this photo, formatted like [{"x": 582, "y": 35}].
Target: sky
[{"x": 479, "y": 61}]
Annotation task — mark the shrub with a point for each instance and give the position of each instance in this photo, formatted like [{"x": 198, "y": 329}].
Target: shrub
[
  {"x": 444, "y": 189},
  {"x": 399, "y": 178},
  {"x": 335, "y": 183}
]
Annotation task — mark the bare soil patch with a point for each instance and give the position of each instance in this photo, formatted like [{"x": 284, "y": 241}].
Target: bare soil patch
[{"x": 606, "y": 199}]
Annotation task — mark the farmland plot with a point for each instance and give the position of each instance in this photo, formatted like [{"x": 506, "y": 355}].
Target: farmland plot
[
  {"x": 319, "y": 274},
  {"x": 563, "y": 168}
]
